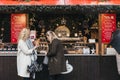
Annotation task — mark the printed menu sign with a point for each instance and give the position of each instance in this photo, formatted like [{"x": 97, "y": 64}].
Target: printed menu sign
[
  {"x": 18, "y": 22},
  {"x": 108, "y": 23}
]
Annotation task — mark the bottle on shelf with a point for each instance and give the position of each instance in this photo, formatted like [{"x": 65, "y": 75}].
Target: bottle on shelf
[
  {"x": 86, "y": 49},
  {"x": 43, "y": 43}
]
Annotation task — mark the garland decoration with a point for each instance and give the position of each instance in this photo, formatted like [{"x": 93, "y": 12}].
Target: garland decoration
[{"x": 61, "y": 8}]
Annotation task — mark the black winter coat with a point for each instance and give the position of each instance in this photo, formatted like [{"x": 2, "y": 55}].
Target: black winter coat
[
  {"x": 115, "y": 40},
  {"x": 56, "y": 62}
]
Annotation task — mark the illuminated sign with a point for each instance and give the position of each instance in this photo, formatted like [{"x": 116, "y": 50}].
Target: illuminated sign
[
  {"x": 108, "y": 25},
  {"x": 18, "y": 22}
]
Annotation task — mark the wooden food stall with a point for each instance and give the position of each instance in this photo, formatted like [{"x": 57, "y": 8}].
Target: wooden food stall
[{"x": 79, "y": 25}]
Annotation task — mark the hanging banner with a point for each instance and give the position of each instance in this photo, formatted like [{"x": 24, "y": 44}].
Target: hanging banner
[
  {"x": 18, "y": 22},
  {"x": 108, "y": 25}
]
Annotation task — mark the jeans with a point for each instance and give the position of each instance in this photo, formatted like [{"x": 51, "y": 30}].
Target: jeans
[{"x": 56, "y": 77}]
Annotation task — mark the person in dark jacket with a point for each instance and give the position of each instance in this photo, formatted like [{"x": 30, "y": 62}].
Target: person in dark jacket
[
  {"x": 115, "y": 40},
  {"x": 56, "y": 58},
  {"x": 115, "y": 43}
]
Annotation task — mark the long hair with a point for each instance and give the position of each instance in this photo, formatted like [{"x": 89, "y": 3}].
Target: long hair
[
  {"x": 52, "y": 34},
  {"x": 24, "y": 34}
]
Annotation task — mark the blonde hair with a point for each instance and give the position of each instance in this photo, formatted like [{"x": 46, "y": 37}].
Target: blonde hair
[
  {"x": 24, "y": 34},
  {"x": 52, "y": 34}
]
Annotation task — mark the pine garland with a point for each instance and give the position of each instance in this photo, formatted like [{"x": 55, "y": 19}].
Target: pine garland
[{"x": 61, "y": 8}]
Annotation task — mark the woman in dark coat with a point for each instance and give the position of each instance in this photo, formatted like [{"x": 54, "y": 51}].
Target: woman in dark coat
[{"x": 56, "y": 62}]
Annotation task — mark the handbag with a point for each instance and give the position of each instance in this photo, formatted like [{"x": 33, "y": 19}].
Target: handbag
[{"x": 34, "y": 67}]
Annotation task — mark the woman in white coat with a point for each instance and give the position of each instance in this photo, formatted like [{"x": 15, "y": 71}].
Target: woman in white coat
[{"x": 24, "y": 55}]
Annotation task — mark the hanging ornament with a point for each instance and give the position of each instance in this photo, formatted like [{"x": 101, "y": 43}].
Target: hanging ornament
[
  {"x": 87, "y": 31},
  {"x": 92, "y": 51}
]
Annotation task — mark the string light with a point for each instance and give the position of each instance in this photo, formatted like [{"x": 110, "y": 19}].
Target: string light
[{"x": 2, "y": 31}]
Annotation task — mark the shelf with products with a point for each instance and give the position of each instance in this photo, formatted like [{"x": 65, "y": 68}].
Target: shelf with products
[
  {"x": 107, "y": 49},
  {"x": 76, "y": 46},
  {"x": 73, "y": 45},
  {"x": 8, "y": 47},
  {"x": 43, "y": 44}
]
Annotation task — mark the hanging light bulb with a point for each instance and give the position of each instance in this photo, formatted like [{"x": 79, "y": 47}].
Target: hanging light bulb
[{"x": 2, "y": 29}]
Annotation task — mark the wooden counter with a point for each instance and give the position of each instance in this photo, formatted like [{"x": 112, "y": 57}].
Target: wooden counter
[{"x": 85, "y": 67}]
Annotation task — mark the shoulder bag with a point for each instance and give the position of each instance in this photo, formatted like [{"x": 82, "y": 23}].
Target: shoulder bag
[{"x": 34, "y": 67}]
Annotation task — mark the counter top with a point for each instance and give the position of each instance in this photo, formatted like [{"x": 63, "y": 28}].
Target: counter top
[{"x": 14, "y": 53}]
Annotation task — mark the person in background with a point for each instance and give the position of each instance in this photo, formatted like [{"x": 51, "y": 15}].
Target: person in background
[
  {"x": 115, "y": 43},
  {"x": 56, "y": 58},
  {"x": 24, "y": 54}
]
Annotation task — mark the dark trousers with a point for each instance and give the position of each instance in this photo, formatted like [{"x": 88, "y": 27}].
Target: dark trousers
[
  {"x": 56, "y": 77},
  {"x": 26, "y": 78}
]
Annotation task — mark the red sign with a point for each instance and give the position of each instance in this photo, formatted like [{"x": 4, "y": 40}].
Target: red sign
[
  {"x": 18, "y": 22},
  {"x": 108, "y": 23}
]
